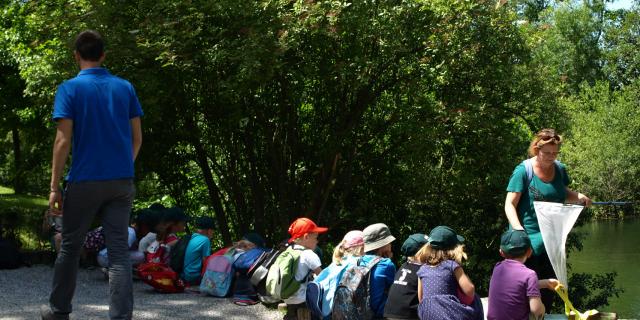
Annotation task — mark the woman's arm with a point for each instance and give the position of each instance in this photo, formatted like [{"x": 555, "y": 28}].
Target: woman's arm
[
  {"x": 465, "y": 283},
  {"x": 510, "y": 205},
  {"x": 419, "y": 290},
  {"x": 577, "y": 197}
]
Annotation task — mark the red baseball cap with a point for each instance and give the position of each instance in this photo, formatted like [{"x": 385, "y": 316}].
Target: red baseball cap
[{"x": 302, "y": 226}]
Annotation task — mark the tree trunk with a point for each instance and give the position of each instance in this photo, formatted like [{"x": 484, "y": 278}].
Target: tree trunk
[
  {"x": 256, "y": 186},
  {"x": 212, "y": 187},
  {"x": 214, "y": 192},
  {"x": 18, "y": 182}
]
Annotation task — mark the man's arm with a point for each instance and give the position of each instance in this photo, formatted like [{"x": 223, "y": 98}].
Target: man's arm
[
  {"x": 136, "y": 136},
  {"x": 61, "y": 148}
]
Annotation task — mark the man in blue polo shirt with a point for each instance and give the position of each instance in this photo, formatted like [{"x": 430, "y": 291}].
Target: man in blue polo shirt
[{"x": 98, "y": 119}]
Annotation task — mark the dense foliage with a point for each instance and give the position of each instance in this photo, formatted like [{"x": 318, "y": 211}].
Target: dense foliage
[{"x": 407, "y": 112}]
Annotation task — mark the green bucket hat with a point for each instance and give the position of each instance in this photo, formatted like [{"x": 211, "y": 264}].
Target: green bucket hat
[
  {"x": 444, "y": 238},
  {"x": 515, "y": 242}
]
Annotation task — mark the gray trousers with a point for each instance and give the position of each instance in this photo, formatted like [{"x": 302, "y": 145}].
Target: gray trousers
[{"x": 112, "y": 201}]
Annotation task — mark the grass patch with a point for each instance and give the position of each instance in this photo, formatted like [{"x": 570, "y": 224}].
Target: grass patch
[
  {"x": 5, "y": 190},
  {"x": 21, "y": 215},
  {"x": 23, "y": 201}
]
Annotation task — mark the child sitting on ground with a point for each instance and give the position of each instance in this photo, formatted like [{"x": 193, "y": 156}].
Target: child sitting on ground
[
  {"x": 351, "y": 246},
  {"x": 377, "y": 245},
  {"x": 148, "y": 234},
  {"x": 345, "y": 255},
  {"x": 514, "y": 291},
  {"x": 304, "y": 236},
  {"x": 174, "y": 221},
  {"x": 136, "y": 257},
  {"x": 199, "y": 248},
  {"x": 441, "y": 276},
  {"x": 403, "y": 295}
]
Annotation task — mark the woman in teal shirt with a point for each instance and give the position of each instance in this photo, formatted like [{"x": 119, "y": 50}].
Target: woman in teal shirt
[{"x": 549, "y": 182}]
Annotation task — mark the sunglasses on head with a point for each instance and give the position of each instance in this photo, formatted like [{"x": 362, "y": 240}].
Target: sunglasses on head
[{"x": 547, "y": 138}]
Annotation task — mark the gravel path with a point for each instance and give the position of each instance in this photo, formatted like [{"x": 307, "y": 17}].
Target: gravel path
[{"x": 23, "y": 291}]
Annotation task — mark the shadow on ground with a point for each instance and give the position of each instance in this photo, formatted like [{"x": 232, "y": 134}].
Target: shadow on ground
[{"x": 23, "y": 291}]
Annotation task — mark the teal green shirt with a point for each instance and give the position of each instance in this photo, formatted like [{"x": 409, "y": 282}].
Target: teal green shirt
[
  {"x": 554, "y": 191},
  {"x": 199, "y": 247}
]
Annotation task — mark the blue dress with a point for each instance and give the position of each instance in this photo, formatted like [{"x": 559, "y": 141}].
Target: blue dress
[{"x": 439, "y": 294}]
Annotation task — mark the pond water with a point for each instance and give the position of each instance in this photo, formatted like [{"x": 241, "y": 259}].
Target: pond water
[{"x": 613, "y": 246}]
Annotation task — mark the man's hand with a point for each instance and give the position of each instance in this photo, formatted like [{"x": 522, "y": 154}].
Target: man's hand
[{"x": 55, "y": 203}]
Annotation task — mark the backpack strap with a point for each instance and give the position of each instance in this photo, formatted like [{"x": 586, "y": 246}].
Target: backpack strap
[
  {"x": 528, "y": 168},
  {"x": 371, "y": 264}
]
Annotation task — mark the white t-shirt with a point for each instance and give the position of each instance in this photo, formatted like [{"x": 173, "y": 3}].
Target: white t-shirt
[
  {"x": 308, "y": 262},
  {"x": 146, "y": 241}
]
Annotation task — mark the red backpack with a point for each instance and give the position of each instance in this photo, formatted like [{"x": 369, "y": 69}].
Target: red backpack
[{"x": 160, "y": 277}]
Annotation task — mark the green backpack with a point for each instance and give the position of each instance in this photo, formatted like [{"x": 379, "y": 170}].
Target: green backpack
[{"x": 281, "y": 279}]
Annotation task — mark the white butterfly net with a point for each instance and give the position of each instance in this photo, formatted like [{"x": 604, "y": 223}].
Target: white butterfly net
[{"x": 555, "y": 221}]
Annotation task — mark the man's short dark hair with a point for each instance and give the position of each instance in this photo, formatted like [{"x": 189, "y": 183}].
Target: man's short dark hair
[{"x": 89, "y": 45}]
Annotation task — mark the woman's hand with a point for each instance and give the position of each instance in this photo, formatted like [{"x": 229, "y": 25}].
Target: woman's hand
[
  {"x": 584, "y": 200},
  {"x": 577, "y": 197}
]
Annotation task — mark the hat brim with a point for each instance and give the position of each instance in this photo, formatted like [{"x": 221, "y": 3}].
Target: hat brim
[
  {"x": 460, "y": 238},
  {"x": 318, "y": 230},
  {"x": 514, "y": 251},
  {"x": 378, "y": 244}
]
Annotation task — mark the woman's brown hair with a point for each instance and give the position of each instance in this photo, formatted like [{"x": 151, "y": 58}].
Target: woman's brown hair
[{"x": 544, "y": 136}]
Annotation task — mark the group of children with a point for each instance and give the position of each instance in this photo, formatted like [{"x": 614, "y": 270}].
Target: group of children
[{"x": 430, "y": 284}]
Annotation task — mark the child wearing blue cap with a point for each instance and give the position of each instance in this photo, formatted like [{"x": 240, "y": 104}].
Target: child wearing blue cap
[{"x": 514, "y": 291}]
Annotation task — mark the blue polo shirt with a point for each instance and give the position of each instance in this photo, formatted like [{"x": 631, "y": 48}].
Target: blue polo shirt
[{"x": 101, "y": 106}]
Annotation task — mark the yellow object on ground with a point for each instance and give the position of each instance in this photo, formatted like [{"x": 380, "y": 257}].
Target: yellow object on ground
[{"x": 568, "y": 306}]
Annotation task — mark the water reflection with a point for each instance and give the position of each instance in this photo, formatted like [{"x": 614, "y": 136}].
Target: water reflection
[{"x": 613, "y": 246}]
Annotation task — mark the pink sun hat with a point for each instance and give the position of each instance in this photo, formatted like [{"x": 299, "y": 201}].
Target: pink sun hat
[{"x": 352, "y": 239}]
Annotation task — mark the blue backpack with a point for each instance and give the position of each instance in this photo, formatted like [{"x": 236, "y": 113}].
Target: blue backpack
[
  {"x": 352, "y": 300},
  {"x": 218, "y": 275},
  {"x": 321, "y": 290},
  {"x": 247, "y": 259}
]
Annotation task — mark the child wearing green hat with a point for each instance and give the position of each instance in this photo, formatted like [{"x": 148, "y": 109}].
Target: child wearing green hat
[
  {"x": 441, "y": 276},
  {"x": 402, "y": 302},
  {"x": 514, "y": 291}
]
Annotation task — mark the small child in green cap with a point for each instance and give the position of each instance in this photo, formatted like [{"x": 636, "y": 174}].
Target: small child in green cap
[
  {"x": 514, "y": 291},
  {"x": 402, "y": 302}
]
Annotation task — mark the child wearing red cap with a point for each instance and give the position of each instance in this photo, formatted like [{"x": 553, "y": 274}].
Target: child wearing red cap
[{"x": 304, "y": 236}]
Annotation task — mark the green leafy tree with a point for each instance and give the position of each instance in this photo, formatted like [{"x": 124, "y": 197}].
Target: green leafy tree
[
  {"x": 408, "y": 112},
  {"x": 602, "y": 148},
  {"x": 621, "y": 42}
]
